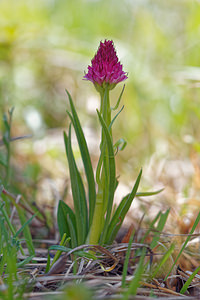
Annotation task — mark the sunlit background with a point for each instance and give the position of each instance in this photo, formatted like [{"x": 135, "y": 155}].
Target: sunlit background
[{"x": 45, "y": 47}]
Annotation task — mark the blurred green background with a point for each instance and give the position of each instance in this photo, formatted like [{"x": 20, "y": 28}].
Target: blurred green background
[{"x": 45, "y": 47}]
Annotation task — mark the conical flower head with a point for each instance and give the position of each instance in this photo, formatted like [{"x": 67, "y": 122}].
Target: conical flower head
[{"x": 105, "y": 70}]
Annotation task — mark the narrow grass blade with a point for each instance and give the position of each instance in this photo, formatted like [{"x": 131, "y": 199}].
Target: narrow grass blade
[
  {"x": 125, "y": 267},
  {"x": 163, "y": 260},
  {"x": 6, "y": 121},
  {"x": 185, "y": 244},
  {"x": 85, "y": 158},
  {"x": 63, "y": 242},
  {"x": 161, "y": 224},
  {"x": 188, "y": 282},
  {"x": 6, "y": 141},
  {"x": 4, "y": 213},
  {"x": 151, "y": 227},
  {"x": 24, "y": 225},
  {"x": 111, "y": 174},
  {"x": 26, "y": 231},
  {"x": 12, "y": 229},
  {"x": 121, "y": 212},
  {"x": 25, "y": 261},
  {"x": 135, "y": 283}
]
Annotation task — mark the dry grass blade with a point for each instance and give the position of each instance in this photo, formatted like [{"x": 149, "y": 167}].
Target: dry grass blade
[
  {"x": 16, "y": 202},
  {"x": 166, "y": 290},
  {"x": 60, "y": 265},
  {"x": 107, "y": 258}
]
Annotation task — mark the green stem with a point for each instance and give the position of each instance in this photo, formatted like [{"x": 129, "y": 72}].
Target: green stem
[
  {"x": 103, "y": 165},
  {"x": 97, "y": 223},
  {"x": 8, "y": 171},
  {"x": 8, "y": 165},
  {"x": 105, "y": 109}
]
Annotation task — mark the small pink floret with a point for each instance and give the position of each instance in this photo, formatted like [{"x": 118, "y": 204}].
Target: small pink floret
[{"x": 106, "y": 68}]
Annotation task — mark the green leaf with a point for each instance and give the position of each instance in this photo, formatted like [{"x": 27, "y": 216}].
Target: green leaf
[
  {"x": 120, "y": 145},
  {"x": 77, "y": 190},
  {"x": 64, "y": 213},
  {"x": 26, "y": 230},
  {"x": 24, "y": 225},
  {"x": 98, "y": 170},
  {"x": 10, "y": 111},
  {"x": 146, "y": 194},
  {"x": 127, "y": 258},
  {"x": 163, "y": 260},
  {"x": 4, "y": 213},
  {"x": 63, "y": 242},
  {"x": 135, "y": 283},
  {"x": 3, "y": 161},
  {"x": 113, "y": 120},
  {"x": 187, "y": 283},
  {"x": 111, "y": 174},
  {"x": 121, "y": 212},
  {"x": 6, "y": 123},
  {"x": 85, "y": 158},
  {"x": 119, "y": 99},
  {"x": 59, "y": 248},
  {"x": 82, "y": 200},
  {"x": 72, "y": 233},
  {"x": 160, "y": 226},
  {"x": 25, "y": 261},
  {"x": 151, "y": 226},
  {"x": 6, "y": 140}
]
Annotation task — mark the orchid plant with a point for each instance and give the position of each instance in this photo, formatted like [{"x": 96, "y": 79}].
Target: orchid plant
[{"x": 94, "y": 219}]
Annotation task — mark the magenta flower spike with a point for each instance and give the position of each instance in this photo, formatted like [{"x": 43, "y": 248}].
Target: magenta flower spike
[{"x": 105, "y": 70}]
